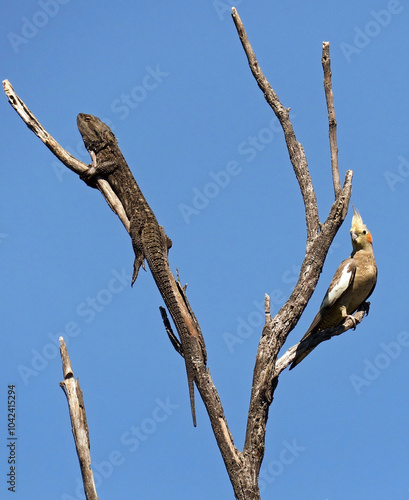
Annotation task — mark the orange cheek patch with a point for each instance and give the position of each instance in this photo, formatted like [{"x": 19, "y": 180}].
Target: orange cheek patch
[{"x": 369, "y": 237}]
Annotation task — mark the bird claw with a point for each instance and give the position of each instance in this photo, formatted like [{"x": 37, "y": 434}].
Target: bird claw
[
  {"x": 365, "y": 307},
  {"x": 353, "y": 320}
]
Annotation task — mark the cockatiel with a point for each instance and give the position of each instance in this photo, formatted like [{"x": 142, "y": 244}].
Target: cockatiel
[{"x": 351, "y": 285}]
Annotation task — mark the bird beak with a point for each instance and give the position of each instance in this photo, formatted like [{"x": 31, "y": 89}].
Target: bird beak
[{"x": 354, "y": 236}]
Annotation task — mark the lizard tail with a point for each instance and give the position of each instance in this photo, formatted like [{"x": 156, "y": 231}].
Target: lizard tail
[{"x": 192, "y": 400}]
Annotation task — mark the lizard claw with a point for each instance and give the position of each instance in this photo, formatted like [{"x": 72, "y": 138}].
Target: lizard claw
[
  {"x": 88, "y": 176},
  {"x": 138, "y": 262}
]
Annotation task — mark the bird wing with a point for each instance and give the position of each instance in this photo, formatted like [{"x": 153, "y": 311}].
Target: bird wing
[{"x": 341, "y": 282}]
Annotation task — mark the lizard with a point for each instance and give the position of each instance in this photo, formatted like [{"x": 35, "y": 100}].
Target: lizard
[{"x": 149, "y": 240}]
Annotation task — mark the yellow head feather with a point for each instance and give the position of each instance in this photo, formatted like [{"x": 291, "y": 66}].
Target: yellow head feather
[{"x": 360, "y": 235}]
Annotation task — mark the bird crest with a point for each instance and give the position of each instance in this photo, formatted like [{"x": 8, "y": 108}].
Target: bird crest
[{"x": 359, "y": 232}]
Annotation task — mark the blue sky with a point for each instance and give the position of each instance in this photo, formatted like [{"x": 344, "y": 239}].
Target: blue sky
[{"x": 172, "y": 80}]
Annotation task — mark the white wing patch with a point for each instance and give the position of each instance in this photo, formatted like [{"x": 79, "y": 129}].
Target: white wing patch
[{"x": 338, "y": 287}]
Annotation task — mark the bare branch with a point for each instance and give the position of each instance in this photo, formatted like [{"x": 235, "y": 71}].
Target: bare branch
[
  {"x": 295, "y": 149},
  {"x": 34, "y": 125},
  {"x": 72, "y": 390},
  {"x": 316, "y": 339},
  {"x": 64, "y": 156},
  {"x": 326, "y": 65}
]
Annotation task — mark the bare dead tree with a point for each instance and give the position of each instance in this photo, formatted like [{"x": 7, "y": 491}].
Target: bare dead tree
[{"x": 243, "y": 466}]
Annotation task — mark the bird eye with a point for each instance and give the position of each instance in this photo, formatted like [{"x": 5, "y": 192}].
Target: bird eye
[{"x": 364, "y": 231}]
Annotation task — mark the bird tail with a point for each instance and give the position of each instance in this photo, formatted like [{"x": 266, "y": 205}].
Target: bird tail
[{"x": 299, "y": 357}]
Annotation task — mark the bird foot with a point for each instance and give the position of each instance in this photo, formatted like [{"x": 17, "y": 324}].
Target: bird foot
[
  {"x": 353, "y": 320},
  {"x": 365, "y": 307}
]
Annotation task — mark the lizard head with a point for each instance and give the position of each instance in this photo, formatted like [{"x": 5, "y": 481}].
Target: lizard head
[{"x": 95, "y": 134}]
